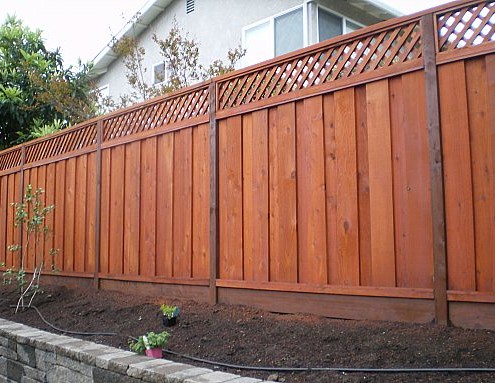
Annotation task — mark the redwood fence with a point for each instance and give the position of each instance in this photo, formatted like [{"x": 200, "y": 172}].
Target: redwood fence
[{"x": 354, "y": 178}]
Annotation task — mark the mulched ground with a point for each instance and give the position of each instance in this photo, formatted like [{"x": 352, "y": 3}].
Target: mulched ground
[{"x": 246, "y": 336}]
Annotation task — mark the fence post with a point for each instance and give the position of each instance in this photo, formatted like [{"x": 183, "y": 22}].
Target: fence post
[
  {"x": 429, "y": 34},
  {"x": 99, "y": 136},
  {"x": 213, "y": 191}
]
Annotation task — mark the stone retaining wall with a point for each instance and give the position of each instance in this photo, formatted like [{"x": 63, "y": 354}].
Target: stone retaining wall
[{"x": 28, "y": 355}]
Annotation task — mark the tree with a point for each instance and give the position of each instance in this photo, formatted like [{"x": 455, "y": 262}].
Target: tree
[
  {"x": 35, "y": 88},
  {"x": 180, "y": 54}
]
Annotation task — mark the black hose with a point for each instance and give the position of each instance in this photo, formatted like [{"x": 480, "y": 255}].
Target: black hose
[
  {"x": 331, "y": 369},
  {"x": 68, "y": 331}
]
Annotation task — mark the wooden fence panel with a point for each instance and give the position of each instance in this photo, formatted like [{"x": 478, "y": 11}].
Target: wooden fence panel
[
  {"x": 467, "y": 111},
  {"x": 323, "y": 180}
]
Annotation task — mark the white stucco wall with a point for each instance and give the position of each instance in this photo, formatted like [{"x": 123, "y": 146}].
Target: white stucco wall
[{"x": 217, "y": 26}]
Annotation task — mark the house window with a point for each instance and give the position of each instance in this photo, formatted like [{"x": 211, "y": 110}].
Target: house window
[
  {"x": 189, "y": 6},
  {"x": 332, "y": 25},
  {"x": 289, "y": 32},
  {"x": 274, "y": 36},
  {"x": 159, "y": 73}
]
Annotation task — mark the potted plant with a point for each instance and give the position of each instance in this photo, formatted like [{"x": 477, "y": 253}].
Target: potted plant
[
  {"x": 170, "y": 314},
  {"x": 150, "y": 344}
]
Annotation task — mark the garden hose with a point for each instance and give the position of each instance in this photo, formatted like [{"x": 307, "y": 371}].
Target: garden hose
[
  {"x": 333, "y": 369},
  {"x": 288, "y": 369},
  {"x": 68, "y": 331}
]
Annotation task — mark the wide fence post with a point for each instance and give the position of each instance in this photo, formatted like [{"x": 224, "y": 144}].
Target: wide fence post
[
  {"x": 429, "y": 34},
  {"x": 99, "y": 136},
  {"x": 213, "y": 192}
]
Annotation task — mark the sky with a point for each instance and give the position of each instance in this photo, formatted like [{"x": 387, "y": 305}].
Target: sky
[{"x": 82, "y": 28}]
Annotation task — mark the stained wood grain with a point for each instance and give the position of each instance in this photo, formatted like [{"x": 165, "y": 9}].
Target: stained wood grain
[
  {"x": 255, "y": 195},
  {"x": 283, "y": 193},
  {"x": 69, "y": 210},
  {"x": 482, "y": 135},
  {"x": 347, "y": 208},
  {"x": 182, "y": 216},
  {"x": 201, "y": 202},
  {"x": 230, "y": 196},
  {"x": 132, "y": 198},
  {"x": 457, "y": 177},
  {"x": 311, "y": 206},
  {"x": 380, "y": 181},
  {"x": 116, "y": 227},
  {"x": 147, "y": 219},
  {"x": 80, "y": 202},
  {"x": 164, "y": 205}
]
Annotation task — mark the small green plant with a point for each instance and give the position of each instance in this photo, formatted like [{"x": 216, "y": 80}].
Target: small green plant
[
  {"x": 30, "y": 216},
  {"x": 149, "y": 341},
  {"x": 169, "y": 311}
]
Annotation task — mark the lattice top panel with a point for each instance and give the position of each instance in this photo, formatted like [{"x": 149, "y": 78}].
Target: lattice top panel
[
  {"x": 69, "y": 141},
  {"x": 163, "y": 112},
  {"x": 11, "y": 159},
  {"x": 337, "y": 61},
  {"x": 466, "y": 27}
]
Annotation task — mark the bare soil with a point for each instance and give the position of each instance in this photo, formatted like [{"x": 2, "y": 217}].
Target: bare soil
[{"x": 246, "y": 336}]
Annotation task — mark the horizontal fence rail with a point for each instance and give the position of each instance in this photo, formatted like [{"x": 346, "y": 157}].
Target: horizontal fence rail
[{"x": 354, "y": 179}]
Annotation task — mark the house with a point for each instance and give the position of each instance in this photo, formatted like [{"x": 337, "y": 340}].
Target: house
[{"x": 265, "y": 28}]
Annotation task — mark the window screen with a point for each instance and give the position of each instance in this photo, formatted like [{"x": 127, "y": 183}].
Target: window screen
[
  {"x": 329, "y": 25},
  {"x": 258, "y": 43},
  {"x": 289, "y": 32}
]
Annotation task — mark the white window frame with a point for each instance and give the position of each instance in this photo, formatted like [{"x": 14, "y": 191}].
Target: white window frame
[
  {"x": 344, "y": 20},
  {"x": 165, "y": 78},
  {"x": 271, "y": 21}
]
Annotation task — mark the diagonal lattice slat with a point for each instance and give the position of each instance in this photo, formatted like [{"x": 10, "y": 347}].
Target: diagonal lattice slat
[
  {"x": 69, "y": 141},
  {"x": 162, "y": 112},
  {"x": 466, "y": 27},
  {"x": 10, "y": 159},
  {"x": 361, "y": 55}
]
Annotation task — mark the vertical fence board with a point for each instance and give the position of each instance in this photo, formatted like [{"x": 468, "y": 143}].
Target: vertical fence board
[
  {"x": 283, "y": 193},
  {"x": 482, "y": 135},
  {"x": 40, "y": 247},
  {"x": 50, "y": 219},
  {"x": 182, "y": 218},
  {"x": 311, "y": 213},
  {"x": 106, "y": 168},
  {"x": 81, "y": 197},
  {"x": 230, "y": 196},
  {"x": 413, "y": 226},
  {"x": 255, "y": 193},
  {"x": 147, "y": 250},
  {"x": 347, "y": 205},
  {"x": 30, "y": 178},
  {"x": 334, "y": 268},
  {"x": 132, "y": 197},
  {"x": 4, "y": 204},
  {"x": 70, "y": 199},
  {"x": 11, "y": 198},
  {"x": 164, "y": 205},
  {"x": 90, "y": 254},
  {"x": 16, "y": 238},
  {"x": 380, "y": 180},
  {"x": 365, "y": 260},
  {"x": 116, "y": 226},
  {"x": 58, "y": 239},
  {"x": 457, "y": 175},
  {"x": 201, "y": 202}
]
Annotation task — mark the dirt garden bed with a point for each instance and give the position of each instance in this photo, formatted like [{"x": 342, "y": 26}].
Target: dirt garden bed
[{"x": 246, "y": 336}]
